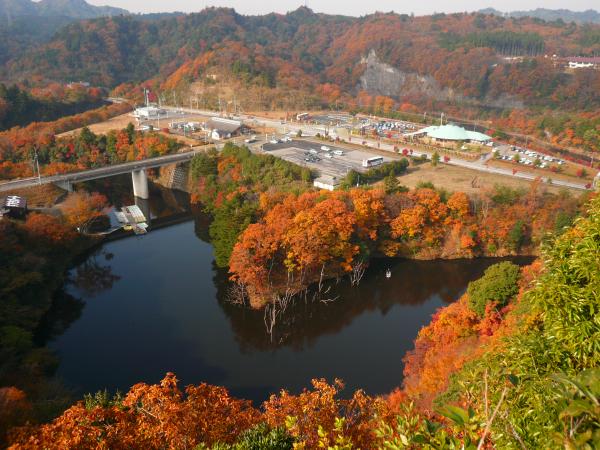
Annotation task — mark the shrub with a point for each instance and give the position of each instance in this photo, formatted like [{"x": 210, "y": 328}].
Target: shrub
[
  {"x": 425, "y": 185},
  {"x": 505, "y": 195},
  {"x": 516, "y": 235},
  {"x": 261, "y": 437},
  {"x": 498, "y": 284}
]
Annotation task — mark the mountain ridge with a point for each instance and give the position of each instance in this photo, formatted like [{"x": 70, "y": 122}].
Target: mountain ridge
[
  {"x": 550, "y": 15},
  {"x": 10, "y": 10}
]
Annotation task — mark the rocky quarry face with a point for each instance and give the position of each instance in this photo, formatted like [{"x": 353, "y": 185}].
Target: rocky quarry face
[{"x": 380, "y": 78}]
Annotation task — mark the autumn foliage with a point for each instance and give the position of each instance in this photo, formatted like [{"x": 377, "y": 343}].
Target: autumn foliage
[
  {"x": 458, "y": 333},
  {"x": 301, "y": 239},
  {"x": 17, "y": 145},
  {"x": 163, "y": 416},
  {"x": 81, "y": 207}
]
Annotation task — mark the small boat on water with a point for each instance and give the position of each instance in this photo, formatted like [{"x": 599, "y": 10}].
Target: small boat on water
[{"x": 388, "y": 273}]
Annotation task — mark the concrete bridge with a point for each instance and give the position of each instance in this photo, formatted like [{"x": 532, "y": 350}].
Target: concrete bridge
[{"x": 136, "y": 168}]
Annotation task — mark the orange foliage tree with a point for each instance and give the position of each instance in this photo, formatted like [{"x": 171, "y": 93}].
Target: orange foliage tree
[
  {"x": 161, "y": 416},
  {"x": 148, "y": 417},
  {"x": 80, "y": 207}
]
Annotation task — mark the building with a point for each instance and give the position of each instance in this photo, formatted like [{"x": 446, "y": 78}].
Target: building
[
  {"x": 578, "y": 62},
  {"x": 450, "y": 132},
  {"x": 327, "y": 182},
  {"x": 221, "y": 128},
  {"x": 148, "y": 113},
  {"x": 14, "y": 206}
]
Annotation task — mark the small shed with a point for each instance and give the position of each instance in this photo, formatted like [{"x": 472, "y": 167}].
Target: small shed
[{"x": 14, "y": 206}]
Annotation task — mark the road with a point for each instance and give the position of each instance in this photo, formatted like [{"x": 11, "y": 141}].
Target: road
[
  {"x": 282, "y": 128},
  {"x": 479, "y": 165},
  {"x": 101, "y": 172}
]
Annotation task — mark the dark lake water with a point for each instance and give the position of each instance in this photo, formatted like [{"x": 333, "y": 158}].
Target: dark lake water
[{"x": 156, "y": 303}]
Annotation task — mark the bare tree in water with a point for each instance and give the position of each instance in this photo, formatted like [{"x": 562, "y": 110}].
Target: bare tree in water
[
  {"x": 358, "y": 270},
  {"x": 237, "y": 294},
  {"x": 276, "y": 308}
]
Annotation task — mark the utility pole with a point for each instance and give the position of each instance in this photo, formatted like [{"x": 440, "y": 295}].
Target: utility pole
[{"x": 37, "y": 165}]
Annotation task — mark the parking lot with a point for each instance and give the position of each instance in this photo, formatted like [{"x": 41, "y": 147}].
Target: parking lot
[
  {"x": 526, "y": 157},
  {"x": 310, "y": 154}
]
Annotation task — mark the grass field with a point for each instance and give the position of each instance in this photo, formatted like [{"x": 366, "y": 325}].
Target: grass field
[{"x": 465, "y": 180}]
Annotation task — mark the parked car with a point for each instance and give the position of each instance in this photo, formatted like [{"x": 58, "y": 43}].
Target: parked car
[
  {"x": 338, "y": 153},
  {"x": 325, "y": 148}
]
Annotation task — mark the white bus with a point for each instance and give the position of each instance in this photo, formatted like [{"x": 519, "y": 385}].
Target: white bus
[{"x": 375, "y": 161}]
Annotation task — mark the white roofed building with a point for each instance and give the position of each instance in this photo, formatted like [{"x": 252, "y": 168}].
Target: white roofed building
[
  {"x": 450, "y": 132},
  {"x": 148, "y": 112}
]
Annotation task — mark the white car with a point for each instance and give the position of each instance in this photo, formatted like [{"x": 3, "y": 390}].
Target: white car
[
  {"x": 313, "y": 151},
  {"x": 338, "y": 153},
  {"x": 328, "y": 155},
  {"x": 274, "y": 141},
  {"x": 325, "y": 148}
]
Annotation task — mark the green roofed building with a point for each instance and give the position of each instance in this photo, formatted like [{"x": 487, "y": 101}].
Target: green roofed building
[{"x": 451, "y": 132}]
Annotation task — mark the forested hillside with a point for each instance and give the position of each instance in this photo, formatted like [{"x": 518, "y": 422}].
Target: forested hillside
[
  {"x": 74, "y": 9},
  {"x": 20, "y": 106},
  {"x": 316, "y": 52},
  {"x": 24, "y": 23}
]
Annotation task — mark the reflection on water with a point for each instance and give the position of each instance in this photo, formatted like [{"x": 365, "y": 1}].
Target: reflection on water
[
  {"x": 94, "y": 276},
  {"x": 157, "y": 303},
  {"x": 413, "y": 283}
]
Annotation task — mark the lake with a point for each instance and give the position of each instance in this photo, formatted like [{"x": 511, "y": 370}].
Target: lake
[{"x": 156, "y": 303}]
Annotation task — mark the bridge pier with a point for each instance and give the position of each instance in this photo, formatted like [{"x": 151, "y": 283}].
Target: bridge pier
[
  {"x": 65, "y": 184},
  {"x": 140, "y": 184},
  {"x": 144, "y": 205}
]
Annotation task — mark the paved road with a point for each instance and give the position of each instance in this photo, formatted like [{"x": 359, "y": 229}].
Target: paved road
[
  {"x": 101, "y": 172},
  {"x": 479, "y": 165}
]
